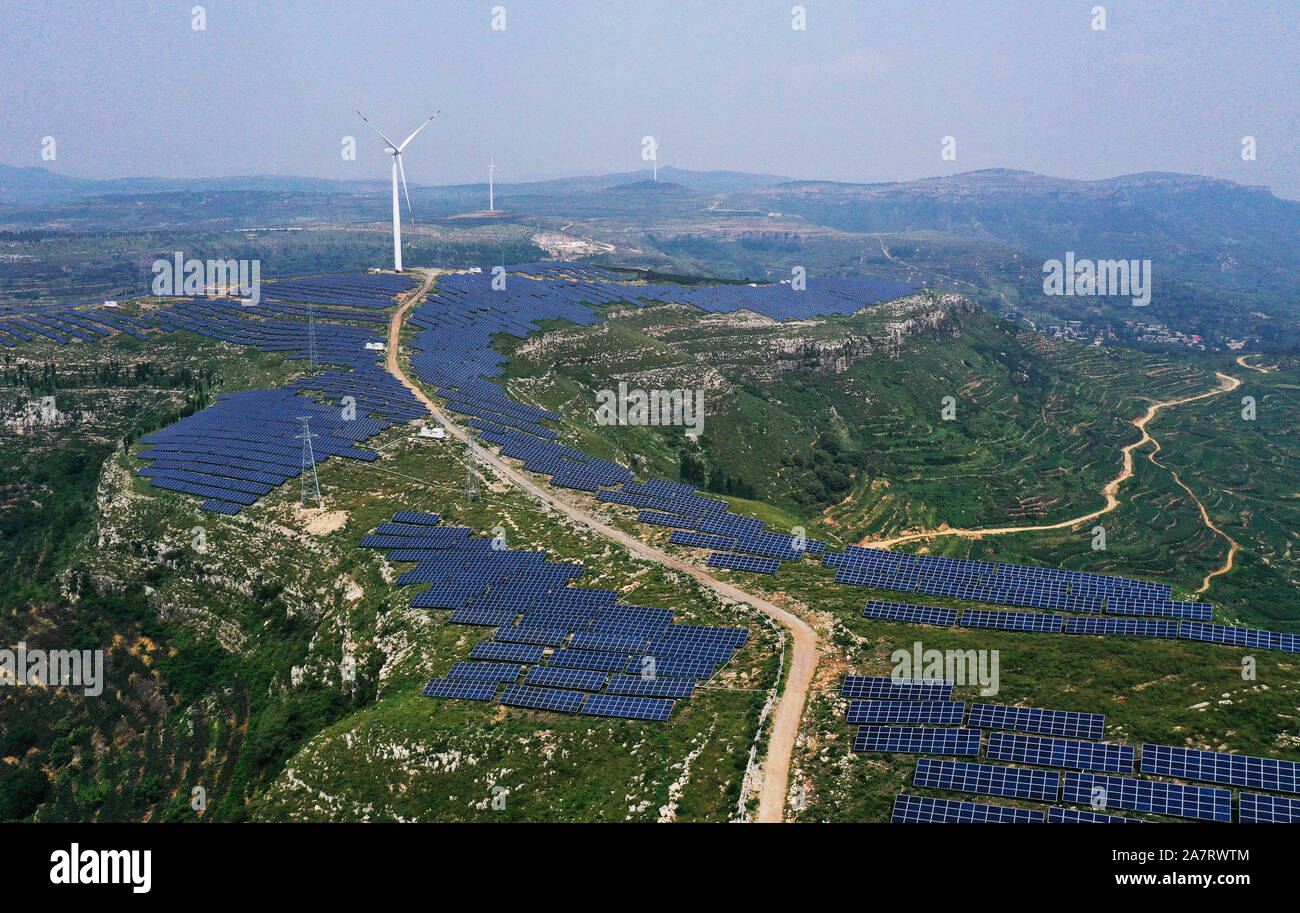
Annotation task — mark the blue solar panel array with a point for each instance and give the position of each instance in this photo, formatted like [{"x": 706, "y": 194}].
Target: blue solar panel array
[
  {"x": 1058, "y": 815},
  {"x": 895, "y": 689},
  {"x": 462, "y": 688},
  {"x": 633, "y": 708},
  {"x": 918, "y": 740},
  {"x": 916, "y": 614},
  {"x": 990, "y": 779},
  {"x": 492, "y": 672},
  {"x": 568, "y": 640},
  {"x": 983, "y": 581},
  {"x": 1032, "y": 719},
  {"x": 1201, "y": 802},
  {"x": 246, "y": 444},
  {"x": 543, "y": 698},
  {"x": 1250, "y": 638},
  {"x": 1012, "y": 621},
  {"x": 1254, "y": 808},
  {"x": 1122, "y": 627},
  {"x": 1220, "y": 767},
  {"x": 938, "y": 713},
  {"x": 1070, "y": 753},
  {"x": 924, "y": 810},
  {"x": 64, "y": 324}
]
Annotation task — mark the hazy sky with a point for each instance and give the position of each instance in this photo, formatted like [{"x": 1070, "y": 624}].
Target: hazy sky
[{"x": 865, "y": 93}]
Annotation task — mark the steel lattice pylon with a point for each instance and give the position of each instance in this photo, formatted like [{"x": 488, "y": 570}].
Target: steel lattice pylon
[{"x": 309, "y": 463}]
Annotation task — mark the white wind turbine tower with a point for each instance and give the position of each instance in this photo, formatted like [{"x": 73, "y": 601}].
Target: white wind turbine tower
[
  {"x": 492, "y": 167},
  {"x": 395, "y": 150}
]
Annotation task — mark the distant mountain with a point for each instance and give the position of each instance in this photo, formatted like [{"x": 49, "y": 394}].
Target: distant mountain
[
  {"x": 1203, "y": 229},
  {"x": 1224, "y": 257},
  {"x": 704, "y": 181},
  {"x": 34, "y": 187}
]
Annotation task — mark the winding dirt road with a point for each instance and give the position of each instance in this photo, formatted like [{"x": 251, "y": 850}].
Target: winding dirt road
[
  {"x": 1110, "y": 491},
  {"x": 804, "y": 648}
]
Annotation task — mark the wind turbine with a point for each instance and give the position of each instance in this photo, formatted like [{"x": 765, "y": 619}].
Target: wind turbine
[
  {"x": 395, "y": 150},
  {"x": 492, "y": 167}
]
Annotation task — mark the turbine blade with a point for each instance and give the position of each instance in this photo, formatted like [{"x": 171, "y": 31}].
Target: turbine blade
[
  {"x": 402, "y": 170},
  {"x": 417, "y": 130},
  {"x": 376, "y": 129}
]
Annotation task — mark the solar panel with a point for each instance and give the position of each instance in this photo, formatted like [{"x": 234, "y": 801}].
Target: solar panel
[
  {"x": 1202, "y": 802},
  {"x": 659, "y": 518},
  {"x": 466, "y": 689},
  {"x": 589, "y": 659},
  {"x": 515, "y": 653},
  {"x": 1122, "y": 627},
  {"x": 1031, "y": 719},
  {"x": 543, "y": 698},
  {"x": 493, "y": 672},
  {"x": 1258, "y": 809},
  {"x": 1250, "y": 638},
  {"x": 422, "y": 519},
  {"x": 1058, "y": 815},
  {"x": 701, "y": 540},
  {"x": 599, "y": 640},
  {"x": 924, "y": 810},
  {"x": 650, "y": 666},
  {"x": 1049, "y": 752},
  {"x": 896, "y": 689},
  {"x": 470, "y": 615},
  {"x": 573, "y": 679},
  {"x": 992, "y": 779},
  {"x": 1197, "y": 611},
  {"x": 744, "y": 563},
  {"x": 1220, "y": 767},
  {"x": 917, "y": 740},
  {"x": 939, "y": 713},
  {"x": 1012, "y": 621},
  {"x": 633, "y": 708},
  {"x": 652, "y": 687},
  {"x": 519, "y": 634},
  {"x": 916, "y": 614}
]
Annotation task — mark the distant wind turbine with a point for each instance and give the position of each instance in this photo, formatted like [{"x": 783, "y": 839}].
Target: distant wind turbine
[
  {"x": 395, "y": 150},
  {"x": 492, "y": 167}
]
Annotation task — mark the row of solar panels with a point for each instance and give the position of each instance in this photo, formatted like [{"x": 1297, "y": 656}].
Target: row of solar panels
[
  {"x": 1009, "y": 584},
  {"x": 1251, "y": 809},
  {"x": 1250, "y": 638},
  {"x": 1178, "y": 762},
  {"x": 560, "y": 701},
  {"x": 1101, "y": 765}
]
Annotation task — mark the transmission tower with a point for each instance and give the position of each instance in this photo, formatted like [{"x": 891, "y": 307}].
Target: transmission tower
[
  {"x": 471, "y": 473},
  {"x": 309, "y": 463},
  {"x": 311, "y": 338}
]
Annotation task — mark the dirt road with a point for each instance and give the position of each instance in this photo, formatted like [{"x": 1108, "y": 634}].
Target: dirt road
[
  {"x": 1110, "y": 491},
  {"x": 803, "y": 649}
]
